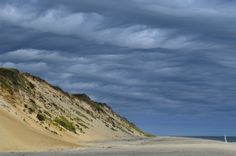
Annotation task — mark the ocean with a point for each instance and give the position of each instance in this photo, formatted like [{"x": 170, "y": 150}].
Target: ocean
[{"x": 218, "y": 138}]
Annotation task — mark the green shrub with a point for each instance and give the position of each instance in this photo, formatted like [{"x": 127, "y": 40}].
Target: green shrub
[
  {"x": 65, "y": 123},
  {"x": 41, "y": 117},
  {"x": 31, "y": 110},
  {"x": 47, "y": 113}
]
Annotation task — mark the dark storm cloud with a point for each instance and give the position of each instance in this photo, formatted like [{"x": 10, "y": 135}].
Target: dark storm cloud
[{"x": 149, "y": 58}]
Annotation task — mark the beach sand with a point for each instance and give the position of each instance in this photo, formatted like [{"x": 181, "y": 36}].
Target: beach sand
[{"x": 160, "y": 146}]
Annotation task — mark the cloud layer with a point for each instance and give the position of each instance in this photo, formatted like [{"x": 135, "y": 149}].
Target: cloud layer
[{"x": 167, "y": 65}]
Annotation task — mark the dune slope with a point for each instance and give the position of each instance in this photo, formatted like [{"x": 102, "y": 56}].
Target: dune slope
[
  {"x": 35, "y": 114},
  {"x": 18, "y": 136}
]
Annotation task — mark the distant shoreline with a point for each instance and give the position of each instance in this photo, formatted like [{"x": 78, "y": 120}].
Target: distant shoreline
[
  {"x": 214, "y": 138},
  {"x": 161, "y": 146}
]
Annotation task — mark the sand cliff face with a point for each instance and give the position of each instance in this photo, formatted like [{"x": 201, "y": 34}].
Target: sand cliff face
[{"x": 35, "y": 113}]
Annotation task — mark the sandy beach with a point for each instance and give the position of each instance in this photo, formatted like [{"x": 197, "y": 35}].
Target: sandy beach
[{"x": 161, "y": 146}]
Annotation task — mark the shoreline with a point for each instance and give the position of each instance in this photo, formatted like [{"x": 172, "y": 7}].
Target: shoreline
[{"x": 163, "y": 146}]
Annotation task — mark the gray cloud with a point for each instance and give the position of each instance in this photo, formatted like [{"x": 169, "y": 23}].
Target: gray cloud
[
  {"x": 168, "y": 62},
  {"x": 92, "y": 26}
]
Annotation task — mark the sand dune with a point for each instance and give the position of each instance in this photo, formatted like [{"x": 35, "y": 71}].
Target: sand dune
[
  {"x": 35, "y": 115},
  {"x": 39, "y": 115},
  {"x": 17, "y": 135}
]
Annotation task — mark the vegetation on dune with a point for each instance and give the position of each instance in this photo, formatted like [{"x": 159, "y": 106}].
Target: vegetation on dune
[
  {"x": 8, "y": 72},
  {"x": 96, "y": 106},
  {"x": 43, "y": 81},
  {"x": 9, "y": 78},
  {"x": 40, "y": 117},
  {"x": 83, "y": 97},
  {"x": 12, "y": 80},
  {"x": 47, "y": 113},
  {"x": 100, "y": 108},
  {"x": 65, "y": 123},
  {"x": 133, "y": 126}
]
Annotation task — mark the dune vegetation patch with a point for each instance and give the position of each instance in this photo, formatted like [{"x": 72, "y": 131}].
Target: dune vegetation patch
[{"x": 65, "y": 123}]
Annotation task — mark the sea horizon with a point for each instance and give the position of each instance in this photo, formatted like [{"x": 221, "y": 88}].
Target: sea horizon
[{"x": 216, "y": 138}]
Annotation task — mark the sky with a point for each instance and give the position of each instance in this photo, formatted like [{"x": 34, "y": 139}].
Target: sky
[{"x": 167, "y": 65}]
